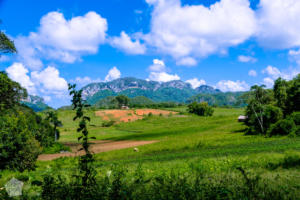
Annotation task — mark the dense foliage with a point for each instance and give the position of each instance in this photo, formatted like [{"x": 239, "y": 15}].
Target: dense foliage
[
  {"x": 119, "y": 184},
  {"x": 271, "y": 112},
  {"x": 219, "y": 99},
  {"x": 111, "y": 102},
  {"x": 22, "y": 132},
  {"x": 201, "y": 109}
]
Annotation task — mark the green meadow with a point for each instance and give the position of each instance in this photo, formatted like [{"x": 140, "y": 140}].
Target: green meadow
[{"x": 214, "y": 145}]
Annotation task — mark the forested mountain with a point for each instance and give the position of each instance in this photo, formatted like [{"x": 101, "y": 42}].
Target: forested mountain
[{"x": 173, "y": 91}]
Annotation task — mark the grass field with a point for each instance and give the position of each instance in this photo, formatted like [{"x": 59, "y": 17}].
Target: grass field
[{"x": 216, "y": 145}]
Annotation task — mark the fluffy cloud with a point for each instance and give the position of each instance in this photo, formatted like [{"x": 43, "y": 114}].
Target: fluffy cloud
[
  {"x": 278, "y": 23},
  {"x": 195, "y": 82},
  {"x": 272, "y": 71},
  {"x": 50, "y": 81},
  {"x": 275, "y": 73},
  {"x": 61, "y": 39},
  {"x": 113, "y": 74},
  {"x": 246, "y": 59},
  {"x": 158, "y": 66},
  {"x": 125, "y": 44},
  {"x": 252, "y": 73},
  {"x": 158, "y": 72},
  {"x": 19, "y": 73},
  {"x": 232, "y": 86},
  {"x": 190, "y": 32},
  {"x": 163, "y": 77},
  {"x": 44, "y": 83}
]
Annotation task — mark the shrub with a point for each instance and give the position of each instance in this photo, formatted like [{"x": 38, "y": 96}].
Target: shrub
[
  {"x": 201, "y": 109},
  {"x": 108, "y": 123},
  {"x": 282, "y": 127}
]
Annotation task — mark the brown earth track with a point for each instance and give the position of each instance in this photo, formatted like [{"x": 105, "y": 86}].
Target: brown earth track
[
  {"x": 96, "y": 147},
  {"x": 130, "y": 115}
]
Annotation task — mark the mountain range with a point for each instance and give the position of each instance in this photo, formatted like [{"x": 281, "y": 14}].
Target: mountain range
[{"x": 173, "y": 91}]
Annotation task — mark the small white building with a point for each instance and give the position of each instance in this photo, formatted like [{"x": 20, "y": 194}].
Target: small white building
[
  {"x": 124, "y": 107},
  {"x": 242, "y": 118}
]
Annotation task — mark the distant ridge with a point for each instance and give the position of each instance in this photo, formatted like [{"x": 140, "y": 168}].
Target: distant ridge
[
  {"x": 172, "y": 91},
  {"x": 36, "y": 103}
]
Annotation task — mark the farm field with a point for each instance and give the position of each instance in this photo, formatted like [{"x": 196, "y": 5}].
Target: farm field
[{"x": 183, "y": 142}]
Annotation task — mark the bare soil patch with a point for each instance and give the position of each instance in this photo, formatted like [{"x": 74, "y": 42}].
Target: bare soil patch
[
  {"x": 130, "y": 115},
  {"x": 96, "y": 147}
]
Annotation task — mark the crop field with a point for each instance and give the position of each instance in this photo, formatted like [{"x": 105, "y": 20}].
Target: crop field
[{"x": 183, "y": 142}]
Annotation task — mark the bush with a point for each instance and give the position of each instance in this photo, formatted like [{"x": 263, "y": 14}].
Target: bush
[
  {"x": 56, "y": 148},
  {"x": 108, "y": 123},
  {"x": 282, "y": 127},
  {"x": 18, "y": 146},
  {"x": 201, "y": 109}
]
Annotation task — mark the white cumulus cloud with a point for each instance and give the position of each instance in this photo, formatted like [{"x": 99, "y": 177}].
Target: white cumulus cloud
[
  {"x": 272, "y": 71},
  {"x": 190, "y": 32},
  {"x": 125, "y": 43},
  {"x": 163, "y": 77},
  {"x": 60, "y": 39},
  {"x": 158, "y": 66},
  {"x": 113, "y": 74},
  {"x": 232, "y": 86},
  {"x": 278, "y": 23},
  {"x": 158, "y": 72},
  {"x": 19, "y": 73},
  {"x": 49, "y": 80},
  {"x": 195, "y": 82}
]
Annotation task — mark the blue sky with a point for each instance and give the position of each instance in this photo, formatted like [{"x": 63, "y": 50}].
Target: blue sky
[{"x": 228, "y": 44}]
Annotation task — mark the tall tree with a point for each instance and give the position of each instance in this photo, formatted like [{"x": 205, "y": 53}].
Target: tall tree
[
  {"x": 52, "y": 117},
  {"x": 280, "y": 93},
  {"x": 257, "y": 101},
  {"x": 122, "y": 100}
]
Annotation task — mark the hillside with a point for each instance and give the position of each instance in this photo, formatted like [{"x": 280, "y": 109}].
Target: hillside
[
  {"x": 220, "y": 99},
  {"x": 36, "y": 103},
  {"x": 175, "y": 91}
]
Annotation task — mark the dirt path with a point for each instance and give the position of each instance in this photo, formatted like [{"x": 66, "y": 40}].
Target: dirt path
[{"x": 96, "y": 147}]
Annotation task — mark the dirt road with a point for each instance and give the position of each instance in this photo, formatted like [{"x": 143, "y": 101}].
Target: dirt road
[{"x": 96, "y": 147}]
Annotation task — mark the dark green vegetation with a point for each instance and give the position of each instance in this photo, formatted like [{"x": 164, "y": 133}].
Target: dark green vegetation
[
  {"x": 23, "y": 133},
  {"x": 201, "y": 109},
  {"x": 219, "y": 99},
  {"x": 112, "y": 102},
  {"x": 173, "y": 91},
  {"x": 6, "y": 45},
  {"x": 209, "y": 149},
  {"x": 274, "y": 112}
]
